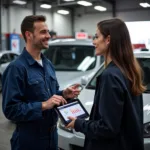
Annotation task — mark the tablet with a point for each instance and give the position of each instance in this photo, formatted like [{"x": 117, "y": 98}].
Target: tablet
[{"x": 73, "y": 109}]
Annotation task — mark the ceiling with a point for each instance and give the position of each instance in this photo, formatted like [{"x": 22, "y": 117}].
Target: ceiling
[
  {"x": 57, "y": 3},
  {"x": 111, "y": 5}
]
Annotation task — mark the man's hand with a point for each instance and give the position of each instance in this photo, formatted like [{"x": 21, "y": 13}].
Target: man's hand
[
  {"x": 72, "y": 91},
  {"x": 54, "y": 100}
]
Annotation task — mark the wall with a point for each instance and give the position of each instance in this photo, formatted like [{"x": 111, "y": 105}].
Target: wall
[
  {"x": 87, "y": 21},
  {"x": 13, "y": 16},
  {"x": 130, "y": 10},
  {"x": 62, "y": 24},
  {"x": 85, "y": 17},
  {"x": 4, "y": 20},
  {"x": 127, "y": 10}
]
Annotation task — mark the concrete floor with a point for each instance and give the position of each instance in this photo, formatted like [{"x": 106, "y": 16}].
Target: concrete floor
[{"x": 6, "y": 129}]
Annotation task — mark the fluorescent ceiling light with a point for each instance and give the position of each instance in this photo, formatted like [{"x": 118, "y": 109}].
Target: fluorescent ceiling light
[
  {"x": 84, "y": 3},
  {"x": 46, "y": 6},
  {"x": 68, "y": 0},
  {"x": 145, "y": 5},
  {"x": 19, "y": 2},
  {"x": 64, "y": 12},
  {"x": 100, "y": 8}
]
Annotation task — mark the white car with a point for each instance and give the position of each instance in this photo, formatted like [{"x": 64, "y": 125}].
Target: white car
[
  {"x": 5, "y": 58},
  {"x": 72, "y": 59},
  {"x": 71, "y": 140}
]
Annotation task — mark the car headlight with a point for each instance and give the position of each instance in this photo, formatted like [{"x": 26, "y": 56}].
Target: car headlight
[
  {"x": 62, "y": 126},
  {"x": 147, "y": 130}
]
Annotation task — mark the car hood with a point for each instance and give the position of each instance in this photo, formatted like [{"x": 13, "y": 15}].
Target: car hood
[
  {"x": 87, "y": 96},
  {"x": 68, "y": 78}
]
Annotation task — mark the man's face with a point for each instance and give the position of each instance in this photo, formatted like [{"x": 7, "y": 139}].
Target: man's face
[{"x": 40, "y": 36}]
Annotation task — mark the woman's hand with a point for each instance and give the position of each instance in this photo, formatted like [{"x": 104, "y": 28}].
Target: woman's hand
[{"x": 71, "y": 124}]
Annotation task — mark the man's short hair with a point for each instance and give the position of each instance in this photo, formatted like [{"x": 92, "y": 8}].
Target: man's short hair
[{"x": 28, "y": 23}]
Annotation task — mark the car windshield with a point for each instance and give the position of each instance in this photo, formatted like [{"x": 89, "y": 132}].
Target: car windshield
[
  {"x": 145, "y": 64},
  {"x": 71, "y": 58}
]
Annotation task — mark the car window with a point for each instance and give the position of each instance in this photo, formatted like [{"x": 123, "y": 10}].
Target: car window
[
  {"x": 92, "y": 83},
  {"x": 71, "y": 58},
  {"x": 101, "y": 60},
  {"x": 4, "y": 59},
  {"x": 145, "y": 65},
  {"x": 12, "y": 56}
]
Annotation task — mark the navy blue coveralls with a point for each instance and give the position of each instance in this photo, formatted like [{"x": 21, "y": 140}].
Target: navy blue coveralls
[
  {"x": 26, "y": 84},
  {"x": 116, "y": 119}
]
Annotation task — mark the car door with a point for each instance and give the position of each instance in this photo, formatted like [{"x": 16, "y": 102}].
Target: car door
[{"x": 12, "y": 56}]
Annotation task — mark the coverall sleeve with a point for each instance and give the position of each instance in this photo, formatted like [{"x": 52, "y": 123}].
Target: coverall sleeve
[
  {"x": 110, "y": 110},
  {"x": 14, "y": 106}
]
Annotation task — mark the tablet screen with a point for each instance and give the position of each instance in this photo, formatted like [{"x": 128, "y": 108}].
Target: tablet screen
[{"x": 73, "y": 109}]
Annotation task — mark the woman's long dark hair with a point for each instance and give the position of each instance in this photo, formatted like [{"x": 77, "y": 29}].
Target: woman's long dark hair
[{"x": 121, "y": 52}]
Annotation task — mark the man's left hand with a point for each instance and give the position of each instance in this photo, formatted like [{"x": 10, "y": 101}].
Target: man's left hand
[{"x": 72, "y": 91}]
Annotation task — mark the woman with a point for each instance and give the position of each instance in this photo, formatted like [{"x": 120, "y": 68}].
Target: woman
[{"x": 116, "y": 119}]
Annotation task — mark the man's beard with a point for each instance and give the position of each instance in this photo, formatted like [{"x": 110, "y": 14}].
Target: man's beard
[{"x": 40, "y": 46}]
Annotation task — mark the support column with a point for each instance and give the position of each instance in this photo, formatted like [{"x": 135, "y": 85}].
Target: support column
[
  {"x": 0, "y": 25},
  {"x": 72, "y": 22},
  {"x": 114, "y": 8},
  {"x": 34, "y": 7}
]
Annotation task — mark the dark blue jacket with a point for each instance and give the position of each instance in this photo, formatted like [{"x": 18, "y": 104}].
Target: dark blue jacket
[
  {"x": 116, "y": 119},
  {"x": 26, "y": 84}
]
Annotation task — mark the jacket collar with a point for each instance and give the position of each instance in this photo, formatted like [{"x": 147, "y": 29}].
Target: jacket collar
[
  {"x": 30, "y": 59},
  {"x": 110, "y": 64}
]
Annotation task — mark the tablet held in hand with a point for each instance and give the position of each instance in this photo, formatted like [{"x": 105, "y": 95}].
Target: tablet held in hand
[{"x": 71, "y": 109}]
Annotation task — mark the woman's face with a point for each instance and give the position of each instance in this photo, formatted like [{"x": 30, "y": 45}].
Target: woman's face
[{"x": 100, "y": 43}]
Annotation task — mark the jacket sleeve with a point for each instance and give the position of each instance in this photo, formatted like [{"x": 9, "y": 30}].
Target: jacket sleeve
[
  {"x": 110, "y": 110},
  {"x": 14, "y": 106}
]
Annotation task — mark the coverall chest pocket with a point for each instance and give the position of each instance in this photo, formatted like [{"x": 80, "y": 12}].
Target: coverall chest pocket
[{"x": 36, "y": 86}]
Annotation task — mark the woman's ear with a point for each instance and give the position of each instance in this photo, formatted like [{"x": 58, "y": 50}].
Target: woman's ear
[{"x": 108, "y": 39}]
